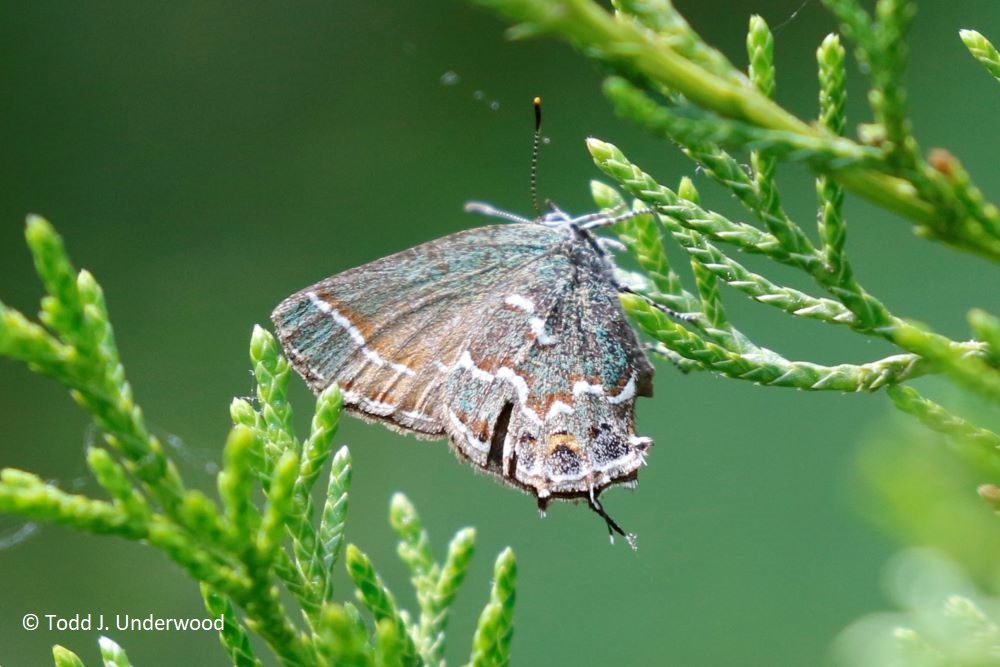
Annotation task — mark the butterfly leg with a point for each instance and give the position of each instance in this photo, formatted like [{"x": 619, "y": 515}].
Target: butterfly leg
[
  {"x": 608, "y": 244},
  {"x": 680, "y": 317},
  {"x": 683, "y": 364}
]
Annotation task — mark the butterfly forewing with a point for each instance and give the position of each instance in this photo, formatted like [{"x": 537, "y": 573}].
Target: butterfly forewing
[{"x": 381, "y": 330}]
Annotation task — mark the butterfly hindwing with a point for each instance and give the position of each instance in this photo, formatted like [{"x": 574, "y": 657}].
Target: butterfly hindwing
[
  {"x": 485, "y": 394},
  {"x": 558, "y": 368}
]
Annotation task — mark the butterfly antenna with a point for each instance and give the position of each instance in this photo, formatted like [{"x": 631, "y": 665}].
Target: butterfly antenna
[{"x": 536, "y": 142}]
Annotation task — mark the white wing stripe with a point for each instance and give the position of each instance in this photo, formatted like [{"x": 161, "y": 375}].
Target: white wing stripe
[{"x": 356, "y": 335}]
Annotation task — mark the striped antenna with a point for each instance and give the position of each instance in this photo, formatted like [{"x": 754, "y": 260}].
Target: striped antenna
[{"x": 534, "y": 156}]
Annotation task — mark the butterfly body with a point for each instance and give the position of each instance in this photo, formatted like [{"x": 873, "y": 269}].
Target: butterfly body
[{"x": 508, "y": 339}]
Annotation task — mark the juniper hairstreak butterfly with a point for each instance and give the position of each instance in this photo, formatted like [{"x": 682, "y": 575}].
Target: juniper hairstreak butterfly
[{"x": 508, "y": 340}]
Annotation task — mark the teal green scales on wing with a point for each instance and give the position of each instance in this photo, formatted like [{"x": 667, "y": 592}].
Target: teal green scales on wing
[{"x": 509, "y": 339}]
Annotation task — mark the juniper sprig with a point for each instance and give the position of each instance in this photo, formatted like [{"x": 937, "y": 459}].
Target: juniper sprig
[
  {"x": 664, "y": 77},
  {"x": 262, "y": 553}
]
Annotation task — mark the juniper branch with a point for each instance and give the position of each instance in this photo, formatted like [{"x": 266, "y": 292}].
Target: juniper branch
[
  {"x": 621, "y": 44},
  {"x": 769, "y": 368},
  {"x": 939, "y": 419},
  {"x": 723, "y": 107},
  {"x": 235, "y": 550}
]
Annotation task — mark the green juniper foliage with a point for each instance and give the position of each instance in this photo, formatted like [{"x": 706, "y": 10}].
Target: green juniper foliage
[
  {"x": 241, "y": 552},
  {"x": 662, "y": 76}
]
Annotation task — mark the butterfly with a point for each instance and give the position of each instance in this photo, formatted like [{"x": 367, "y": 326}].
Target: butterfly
[{"x": 508, "y": 340}]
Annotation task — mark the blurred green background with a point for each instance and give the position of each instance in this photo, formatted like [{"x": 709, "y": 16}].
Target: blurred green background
[{"x": 206, "y": 159}]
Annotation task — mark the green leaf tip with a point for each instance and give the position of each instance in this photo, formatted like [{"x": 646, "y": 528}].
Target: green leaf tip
[
  {"x": 61, "y": 307},
  {"x": 262, "y": 344},
  {"x": 632, "y": 303},
  {"x": 830, "y": 44},
  {"x": 112, "y": 654},
  {"x": 331, "y": 528},
  {"x": 986, "y": 327},
  {"x": 272, "y": 372},
  {"x": 317, "y": 448},
  {"x": 982, "y": 50},
  {"x": 38, "y": 230},
  {"x": 242, "y": 413},
  {"x": 491, "y": 643},
  {"x": 599, "y": 150},
  {"x": 760, "y": 51},
  {"x": 403, "y": 515},
  {"x": 686, "y": 190},
  {"x": 63, "y": 657},
  {"x": 605, "y": 196},
  {"x": 329, "y": 400},
  {"x": 414, "y": 544},
  {"x": 505, "y": 570}
]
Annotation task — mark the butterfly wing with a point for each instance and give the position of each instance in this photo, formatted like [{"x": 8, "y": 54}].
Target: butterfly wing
[
  {"x": 543, "y": 392},
  {"x": 381, "y": 330},
  {"x": 508, "y": 339}
]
